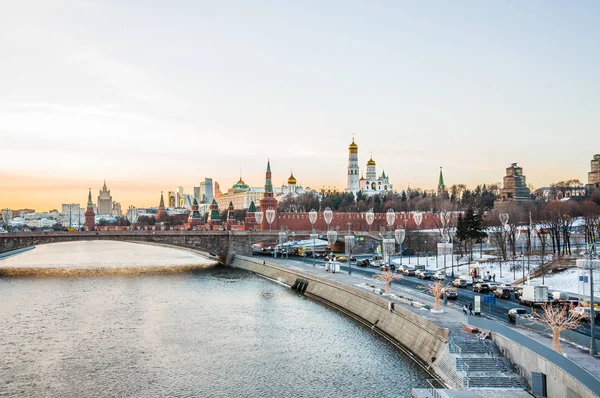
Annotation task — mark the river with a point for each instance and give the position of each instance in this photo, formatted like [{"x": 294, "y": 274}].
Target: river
[{"x": 215, "y": 332}]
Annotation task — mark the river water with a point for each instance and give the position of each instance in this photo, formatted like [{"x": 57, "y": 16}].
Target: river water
[{"x": 215, "y": 332}]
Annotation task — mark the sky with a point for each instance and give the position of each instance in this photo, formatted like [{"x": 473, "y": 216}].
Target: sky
[{"x": 151, "y": 95}]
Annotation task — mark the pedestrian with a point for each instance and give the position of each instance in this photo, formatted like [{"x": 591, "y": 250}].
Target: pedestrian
[
  {"x": 494, "y": 277},
  {"x": 465, "y": 310},
  {"x": 470, "y": 308}
]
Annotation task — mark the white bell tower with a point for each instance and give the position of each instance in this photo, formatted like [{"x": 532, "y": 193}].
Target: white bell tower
[{"x": 353, "y": 185}]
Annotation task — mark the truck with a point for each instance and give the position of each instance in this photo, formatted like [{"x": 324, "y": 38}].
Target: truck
[
  {"x": 534, "y": 295},
  {"x": 560, "y": 296}
]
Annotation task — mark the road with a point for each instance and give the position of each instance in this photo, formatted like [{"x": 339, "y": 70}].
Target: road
[{"x": 499, "y": 311}]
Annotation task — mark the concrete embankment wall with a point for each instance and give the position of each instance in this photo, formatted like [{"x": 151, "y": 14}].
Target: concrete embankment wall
[
  {"x": 16, "y": 251},
  {"x": 559, "y": 384},
  {"x": 421, "y": 339}
]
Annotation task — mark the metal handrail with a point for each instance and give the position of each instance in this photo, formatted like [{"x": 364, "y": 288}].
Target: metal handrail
[
  {"x": 432, "y": 390},
  {"x": 458, "y": 351}
]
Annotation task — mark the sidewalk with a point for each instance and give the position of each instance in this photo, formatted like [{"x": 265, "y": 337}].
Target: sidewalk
[{"x": 452, "y": 318}]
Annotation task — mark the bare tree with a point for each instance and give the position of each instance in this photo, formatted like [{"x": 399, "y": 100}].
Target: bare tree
[
  {"x": 437, "y": 290},
  {"x": 556, "y": 320},
  {"x": 387, "y": 276}
]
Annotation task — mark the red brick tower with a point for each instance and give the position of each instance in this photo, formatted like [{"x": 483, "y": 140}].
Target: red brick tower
[
  {"x": 268, "y": 201},
  {"x": 250, "y": 223},
  {"x": 230, "y": 216},
  {"x": 162, "y": 212},
  {"x": 90, "y": 217},
  {"x": 195, "y": 219}
]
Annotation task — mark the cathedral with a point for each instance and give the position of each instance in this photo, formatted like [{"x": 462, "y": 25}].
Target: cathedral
[{"x": 370, "y": 185}]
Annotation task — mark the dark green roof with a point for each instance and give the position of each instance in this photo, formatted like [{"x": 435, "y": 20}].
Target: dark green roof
[
  {"x": 441, "y": 181},
  {"x": 252, "y": 208}
]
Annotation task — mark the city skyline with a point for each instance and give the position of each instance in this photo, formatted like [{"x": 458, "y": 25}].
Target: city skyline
[{"x": 178, "y": 94}]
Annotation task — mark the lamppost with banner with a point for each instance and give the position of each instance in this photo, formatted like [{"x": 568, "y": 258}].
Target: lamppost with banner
[
  {"x": 591, "y": 263},
  {"x": 270, "y": 217},
  {"x": 312, "y": 217},
  {"x": 445, "y": 246},
  {"x": 349, "y": 245},
  {"x": 504, "y": 220},
  {"x": 390, "y": 218},
  {"x": 282, "y": 239},
  {"x": 331, "y": 238},
  {"x": 328, "y": 215},
  {"x": 369, "y": 217},
  {"x": 132, "y": 216},
  {"x": 400, "y": 234},
  {"x": 418, "y": 217},
  {"x": 258, "y": 216}
]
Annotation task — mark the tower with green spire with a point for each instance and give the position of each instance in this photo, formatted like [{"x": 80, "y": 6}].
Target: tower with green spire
[
  {"x": 268, "y": 200},
  {"x": 214, "y": 218},
  {"x": 90, "y": 217},
  {"x": 441, "y": 186}
]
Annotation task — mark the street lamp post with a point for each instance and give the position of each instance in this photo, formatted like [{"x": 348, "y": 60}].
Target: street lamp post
[
  {"x": 592, "y": 263},
  {"x": 504, "y": 220},
  {"x": 369, "y": 217},
  {"x": 390, "y": 218},
  {"x": 282, "y": 239},
  {"x": 349, "y": 245},
  {"x": 270, "y": 217},
  {"x": 331, "y": 238},
  {"x": 418, "y": 217},
  {"x": 400, "y": 234},
  {"x": 312, "y": 217},
  {"x": 258, "y": 216}
]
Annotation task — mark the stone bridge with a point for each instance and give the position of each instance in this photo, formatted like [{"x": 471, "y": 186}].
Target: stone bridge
[{"x": 221, "y": 244}]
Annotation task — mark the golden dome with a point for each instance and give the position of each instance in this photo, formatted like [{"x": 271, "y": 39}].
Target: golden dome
[
  {"x": 371, "y": 162},
  {"x": 292, "y": 180},
  {"x": 353, "y": 148}
]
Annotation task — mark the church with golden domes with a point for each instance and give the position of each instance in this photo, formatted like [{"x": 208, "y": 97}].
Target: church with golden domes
[
  {"x": 292, "y": 187},
  {"x": 370, "y": 185}
]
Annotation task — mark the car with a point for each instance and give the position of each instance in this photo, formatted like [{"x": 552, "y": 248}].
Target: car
[
  {"x": 391, "y": 267},
  {"x": 439, "y": 275},
  {"x": 352, "y": 258},
  {"x": 481, "y": 287},
  {"x": 342, "y": 259},
  {"x": 584, "y": 313},
  {"x": 518, "y": 292},
  {"x": 507, "y": 286},
  {"x": 459, "y": 282},
  {"x": 515, "y": 313},
  {"x": 451, "y": 293},
  {"x": 467, "y": 278},
  {"x": 425, "y": 275},
  {"x": 418, "y": 272},
  {"x": 376, "y": 257},
  {"x": 363, "y": 263},
  {"x": 409, "y": 272},
  {"x": 502, "y": 293}
]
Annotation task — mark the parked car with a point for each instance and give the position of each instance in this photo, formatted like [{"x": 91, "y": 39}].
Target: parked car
[
  {"x": 481, "y": 287},
  {"x": 352, "y": 258},
  {"x": 409, "y": 272},
  {"x": 439, "y": 275},
  {"x": 342, "y": 259},
  {"x": 515, "y": 313},
  {"x": 459, "y": 282},
  {"x": 363, "y": 263},
  {"x": 390, "y": 267},
  {"x": 451, "y": 293},
  {"x": 425, "y": 275},
  {"x": 502, "y": 293}
]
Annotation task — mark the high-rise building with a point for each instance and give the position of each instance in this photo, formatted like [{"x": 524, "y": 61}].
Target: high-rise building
[
  {"x": 514, "y": 188},
  {"x": 172, "y": 199},
  {"x": 197, "y": 194},
  {"x": 105, "y": 201},
  {"x": 179, "y": 195},
  {"x": 206, "y": 191},
  {"x": 594, "y": 175},
  {"x": 116, "y": 209}
]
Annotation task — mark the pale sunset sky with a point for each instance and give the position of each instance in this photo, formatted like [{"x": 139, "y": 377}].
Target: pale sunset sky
[{"x": 155, "y": 94}]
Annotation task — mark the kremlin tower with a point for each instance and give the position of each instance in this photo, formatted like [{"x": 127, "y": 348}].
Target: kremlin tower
[
  {"x": 90, "y": 217},
  {"x": 161, "y": 213},
  {"x": 353, "y": 185},
  {"x": 268, "y": 200}
]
